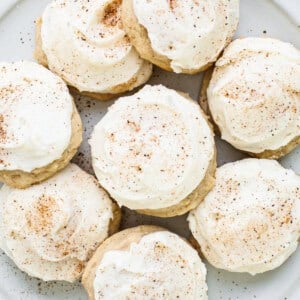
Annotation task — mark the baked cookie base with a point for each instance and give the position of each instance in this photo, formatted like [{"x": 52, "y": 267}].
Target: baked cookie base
[
  {"x": 20, "y": 179},
  {"x": 139, "y": 38},
  {"x": 115, "y": 222},
  {"x": 120, "y": 241},
  {"x": 269, "y": 154},
  {"x": 117, "y": 91}
]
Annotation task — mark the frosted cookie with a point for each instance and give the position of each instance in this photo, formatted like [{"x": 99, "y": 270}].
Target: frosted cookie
[
  {"x": 85, "y": 44},
  {"x": 184, "y": 36},
  {"x": 154, "y": 152},
  {"x": 253, "y": 96},
  {"x": 40, "y": 128},
  {"x": 250, "y": 221},
  {"x": 50, "y": 230},
  {"x": 140, "y": 263}
]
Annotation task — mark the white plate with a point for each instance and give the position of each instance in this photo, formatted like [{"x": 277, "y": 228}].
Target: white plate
[{"x": 258, "y": 18}]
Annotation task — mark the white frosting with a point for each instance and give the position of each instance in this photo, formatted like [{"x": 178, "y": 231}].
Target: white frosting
[
  {"x": 35, "y": 116},
  {"x": 254, "y": 94},
  {"x": 152, "y": 149},
  {"x": 50, "y": 230},
  {"x": 160, "y": 266},
  {"x": 85, "y": 44},
  {"x": 250, "y": 221},
  {"x": 191, "y": 33}
]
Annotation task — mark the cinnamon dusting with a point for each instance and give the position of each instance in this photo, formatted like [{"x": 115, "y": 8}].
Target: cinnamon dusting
[
  {"x": 3, "y": 133},
  {"x": 172, "y": 4},
  {"x": 40, "y": 218},
  {"x": 112, "y": 13}
]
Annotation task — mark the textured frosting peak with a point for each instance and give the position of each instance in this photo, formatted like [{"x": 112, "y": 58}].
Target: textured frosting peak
[
  {"x": 147, "y": 270},
  {"x": 35, "y": 116},
  {"x": 250, "y": 221},
  {"x": 254, "y": 94},
  {"x": 191, "y": 33},
  {"x": 50, "y": 230},
  {"x": 152, "y": 149},
  {"x": 86, "y": 45}
]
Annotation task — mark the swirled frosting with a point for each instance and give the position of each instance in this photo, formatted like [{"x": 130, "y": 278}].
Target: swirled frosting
[
  {"x": 254, "y": 94},
  {"x": 191, "y": 33},
  {"x": 152, "y": 149},
  {"x": 85, "y": 44},
  {"x": 35, "y": 116},
  {"x": 50, "y": 230},
  {"x": 250, "y": 221},
  {"x": 147, "y": 270}
]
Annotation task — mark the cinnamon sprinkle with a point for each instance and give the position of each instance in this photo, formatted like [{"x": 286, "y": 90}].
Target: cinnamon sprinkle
[
  {"x": 40, "y": 218},
  {"x": 3, "y": 133},
  {"x": 172, "y": 4},
  {"x": 112, "y": 13}
]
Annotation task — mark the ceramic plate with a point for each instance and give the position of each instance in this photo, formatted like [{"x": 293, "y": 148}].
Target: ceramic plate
[{"x": 278, "y": 19}]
